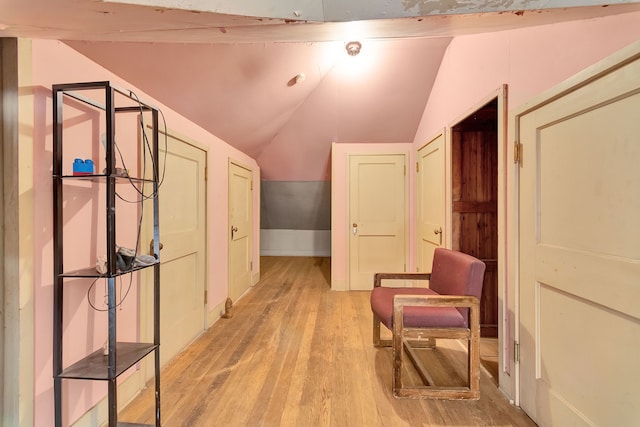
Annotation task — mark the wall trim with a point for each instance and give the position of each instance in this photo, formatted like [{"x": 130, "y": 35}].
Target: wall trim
[
  {"x": 17, "y": 221},
  {"x": 214, "y": 315},
  {"x": 505, "y": 303},
  {"x": 277, "y": 242}
]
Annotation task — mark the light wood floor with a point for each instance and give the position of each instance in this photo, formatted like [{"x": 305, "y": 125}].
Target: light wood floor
[{"x": 296, "y": 353}]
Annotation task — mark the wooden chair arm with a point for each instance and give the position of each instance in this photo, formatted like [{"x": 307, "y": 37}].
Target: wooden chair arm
[
  {"x": 379, "y": 277},
  {"x": 436, "y": 301},
  {"x": 470, "y": 302}
]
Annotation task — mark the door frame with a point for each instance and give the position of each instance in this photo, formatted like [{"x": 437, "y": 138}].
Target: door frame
[
  {"x": 17, "y": 376},
  {"x": 9, "y": 241},
  {"x": 506, "y": 319},
  {"x": 339, "y": 205}
]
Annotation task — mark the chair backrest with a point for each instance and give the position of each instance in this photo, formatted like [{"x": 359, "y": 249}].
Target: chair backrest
[{"x": 456, "y": 273}]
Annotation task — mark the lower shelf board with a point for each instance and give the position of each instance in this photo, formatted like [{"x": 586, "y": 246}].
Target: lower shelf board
[
  {"x": 120, "y": 424},
  {"x": 95, "y": 366}
]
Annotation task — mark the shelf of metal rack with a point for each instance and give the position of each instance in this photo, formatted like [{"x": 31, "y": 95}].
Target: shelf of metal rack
[
  {"x": 91, "y": 273},
  {"x": 96, "y": 367}
]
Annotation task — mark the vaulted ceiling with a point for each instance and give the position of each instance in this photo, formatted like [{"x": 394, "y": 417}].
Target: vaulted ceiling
[{"x": 231, "y": 66}]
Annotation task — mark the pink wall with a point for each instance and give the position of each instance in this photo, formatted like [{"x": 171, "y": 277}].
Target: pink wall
[
  {"x": 54, "y": 62},
  {"x": 529, "y": 60}
]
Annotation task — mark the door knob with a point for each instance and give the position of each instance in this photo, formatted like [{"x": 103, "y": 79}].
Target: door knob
[
  {"x": 151, "y": 247},
  {"x": 438, "y": 232},
  {"x": 233, "y": 230},
  {"x": 355, "y": 229}
]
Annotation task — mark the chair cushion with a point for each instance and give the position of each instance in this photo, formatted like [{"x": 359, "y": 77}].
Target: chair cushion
[
  {"x": 456, "y": 273},
  {"x": 382, "y": 306}
]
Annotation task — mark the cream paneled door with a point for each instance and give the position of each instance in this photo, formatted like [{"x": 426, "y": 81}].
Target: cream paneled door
[
  {"x": 579, "y": 265},
  {"x": 240, "y": 221},
  {"x": 182, "y": 233},
  {"x": 377, "y": 217},
  {"x": 430, "y": 201}
]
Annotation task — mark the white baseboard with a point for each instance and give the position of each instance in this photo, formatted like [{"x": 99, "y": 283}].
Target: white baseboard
[
  {"x": 214, "y": 314},
  {"x": 339, "y": 285},
  {"x": 295, "y": 243}
]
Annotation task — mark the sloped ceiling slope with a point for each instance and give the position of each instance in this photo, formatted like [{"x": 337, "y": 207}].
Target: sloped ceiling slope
[{"x": 247, "y": 94}]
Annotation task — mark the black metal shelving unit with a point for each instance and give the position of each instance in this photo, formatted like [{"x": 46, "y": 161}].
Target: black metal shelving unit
[{"x": 121, "y": 355}]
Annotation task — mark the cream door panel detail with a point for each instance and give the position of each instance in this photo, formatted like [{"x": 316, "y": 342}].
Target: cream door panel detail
[
  {"x": 182, "y": 226},
  {"x": 431, "y": 201},
  {"x": 377, "y": 207},
  {"x": 240, "y": 223},
  {"x": 580, "y": 254}
]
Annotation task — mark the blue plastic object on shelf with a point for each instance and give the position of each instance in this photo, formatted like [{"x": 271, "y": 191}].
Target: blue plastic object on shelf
[{"x": 83, "y": 167}]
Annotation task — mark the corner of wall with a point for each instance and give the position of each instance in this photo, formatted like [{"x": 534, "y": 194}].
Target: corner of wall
[{"x": 18, "y": 274}]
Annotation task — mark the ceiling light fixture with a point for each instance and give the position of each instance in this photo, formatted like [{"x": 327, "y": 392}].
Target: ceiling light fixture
[{"x": 353, "y": 48}]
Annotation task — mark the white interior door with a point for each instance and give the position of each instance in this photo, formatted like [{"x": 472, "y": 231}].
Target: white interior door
[
  {"x": 182, "y": 233},
  {"x": 240, "y": 226},
  {"x": 377, "y": 217},
  {"x": 580, "y": 252},
  {"x": 431, "y": 201},
  {"x": 182, "y": 215}
]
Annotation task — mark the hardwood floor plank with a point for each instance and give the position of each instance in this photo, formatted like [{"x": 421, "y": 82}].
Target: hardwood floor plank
[
  {"x": 296, "y": 353},
  {"x": 310, "y": 400}
]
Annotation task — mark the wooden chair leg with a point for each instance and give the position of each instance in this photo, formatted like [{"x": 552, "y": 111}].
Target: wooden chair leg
[
  {"x": 429, "y": 391},
  {"x": 474, "y": 351},
  {"x": 377, "y": 341},
  {"x": 397, "y": 352}
]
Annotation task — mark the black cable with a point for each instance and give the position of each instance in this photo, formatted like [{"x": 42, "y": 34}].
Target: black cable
[
  {"x": 157, "y": 179},
  {"x": 122, "y": 297},
  {"x": 154, "y": 162},
  {"x": 89, "y": 293},
  {"x": 133, "y": 184},
  {"x": 166, "y": 148},
  {"x": 147, "y": 146}
]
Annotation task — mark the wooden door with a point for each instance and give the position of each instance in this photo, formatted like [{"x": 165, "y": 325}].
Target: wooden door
[
  {"x": 431, "y": 201},
  {"x": 240, "y": 226},
  {"x": 182, "y": 198},
  {"x": 377, "y": 217},
  {"x": 474, "y": 194},
  {"x": 579, "y": 252}
]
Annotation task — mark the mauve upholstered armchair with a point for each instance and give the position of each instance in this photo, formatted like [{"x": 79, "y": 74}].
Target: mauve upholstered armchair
[{"x": 417, "y": 316}]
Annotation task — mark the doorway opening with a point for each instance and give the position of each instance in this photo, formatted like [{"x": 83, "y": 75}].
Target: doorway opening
[{"x": 474, "y": 185}]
